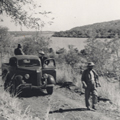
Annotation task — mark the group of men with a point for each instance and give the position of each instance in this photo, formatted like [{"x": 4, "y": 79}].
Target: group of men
[
  {"x": 89, "y": 79},
  {"x": 19, "y": 51}
]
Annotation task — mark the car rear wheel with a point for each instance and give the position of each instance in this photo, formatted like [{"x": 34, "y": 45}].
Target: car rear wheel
[{"x": 49, "y": 90}]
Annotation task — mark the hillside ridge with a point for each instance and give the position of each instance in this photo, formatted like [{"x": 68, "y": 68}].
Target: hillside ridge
[
  {"x": 98, "y": 30},
  {"x": 109, "y": 24}
]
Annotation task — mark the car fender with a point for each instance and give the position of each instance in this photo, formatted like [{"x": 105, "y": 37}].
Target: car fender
[{"x": 50, "y": 80}]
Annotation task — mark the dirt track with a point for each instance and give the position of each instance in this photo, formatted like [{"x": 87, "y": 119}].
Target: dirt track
[{"x": 66, "y": 105}]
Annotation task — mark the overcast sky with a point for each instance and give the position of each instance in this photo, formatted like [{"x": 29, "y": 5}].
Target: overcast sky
[{"x": 73, "y": 13}]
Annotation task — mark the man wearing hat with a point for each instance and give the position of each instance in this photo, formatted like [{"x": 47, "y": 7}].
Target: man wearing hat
[
  {"x": 90, "y": 83},
  {"x": 18, "y": 50},
  {"x": 42, "y": 57}
]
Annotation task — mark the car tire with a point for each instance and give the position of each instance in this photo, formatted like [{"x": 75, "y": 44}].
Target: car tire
[
  {"x": 6, "y": 83},
  {"x": 49, "y": 90},
  {"x": 12, "y": 90}
]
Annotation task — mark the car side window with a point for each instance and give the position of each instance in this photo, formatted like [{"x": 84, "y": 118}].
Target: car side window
[
  {"x": 12, "y": 62},
  {"x": 49, "y": 63}
]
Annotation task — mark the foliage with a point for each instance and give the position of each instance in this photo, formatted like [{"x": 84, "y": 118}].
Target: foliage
[
  {"x": 60, "y": 58},
  {"x": 23, "y": 12},
  {"x": 72, "y": 56},
  {"x": 3, "y": 34},
  {"x": 12, "y": 108},
  {"x": 114, "y": 47},
  {"x": 97, "y": 52},
  {"x": 68, "y": 74},
  {"x": 5, "y": 39},
  {"x": 105, "y": 54},
  {"x": 33, "y": 45},
  {"x": 30, "y": 33}
]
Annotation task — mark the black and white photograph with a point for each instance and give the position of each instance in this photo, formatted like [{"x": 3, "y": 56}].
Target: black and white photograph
[{"x": 59, "y": 59}]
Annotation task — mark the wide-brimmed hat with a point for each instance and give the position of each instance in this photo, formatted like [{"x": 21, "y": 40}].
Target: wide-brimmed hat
[
  {"x": 41, "y": 52},
  {"x": 90, "y": 64},
  {"x": 19, "y": 46}
]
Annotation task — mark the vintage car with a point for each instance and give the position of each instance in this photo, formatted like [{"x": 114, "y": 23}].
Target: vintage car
[{"x": 26, "y": 72}]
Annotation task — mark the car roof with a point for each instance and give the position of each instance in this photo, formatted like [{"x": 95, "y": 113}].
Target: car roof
[{"x": 19, "y": 57}]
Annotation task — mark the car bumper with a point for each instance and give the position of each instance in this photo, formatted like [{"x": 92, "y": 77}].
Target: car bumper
[{"x": 30, "y": 86}]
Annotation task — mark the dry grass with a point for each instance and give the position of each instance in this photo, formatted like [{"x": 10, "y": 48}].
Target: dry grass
[
  {"x": 66, "y": 73},
  {"x": 11, "y": 108},
  {"x": 110, "y": 91}
]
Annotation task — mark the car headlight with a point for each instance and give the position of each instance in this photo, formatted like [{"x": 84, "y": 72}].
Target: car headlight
[{"x": 27, "y": 76}]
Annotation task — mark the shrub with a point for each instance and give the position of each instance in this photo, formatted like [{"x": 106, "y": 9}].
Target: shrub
[
  {"x": 109, "y": 91},
  {"x": 65, "y": 73},
  {"x": 34, "y": 45}
]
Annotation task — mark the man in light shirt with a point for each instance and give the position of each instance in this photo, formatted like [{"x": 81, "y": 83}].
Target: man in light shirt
[{"x": 90, "y": 83}]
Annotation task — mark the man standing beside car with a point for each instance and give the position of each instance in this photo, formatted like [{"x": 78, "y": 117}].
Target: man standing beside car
[
  {"x": 42, "y": 57},
  {"x": 90, "y": 83}
]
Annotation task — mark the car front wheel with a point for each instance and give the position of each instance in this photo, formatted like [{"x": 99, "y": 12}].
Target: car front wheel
[
  {"x": 12, "y": 90},
  {"x": 49, "y": 90}
]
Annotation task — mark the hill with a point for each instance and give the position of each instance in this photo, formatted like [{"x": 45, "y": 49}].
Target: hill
[
  {"x": 103, "y": 25},
  {"x": 99, "y": 30}
]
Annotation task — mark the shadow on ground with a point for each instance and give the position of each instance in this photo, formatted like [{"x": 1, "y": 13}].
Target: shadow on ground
[
  {"x": 104, "y": 99},
  {"x": 30, "y": 93},
  {"x": 67, "y": 110}
]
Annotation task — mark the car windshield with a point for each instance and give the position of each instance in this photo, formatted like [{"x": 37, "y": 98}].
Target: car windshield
[
  {"x": 49, "y": 63},
  {"x": 28, "y": 62}
]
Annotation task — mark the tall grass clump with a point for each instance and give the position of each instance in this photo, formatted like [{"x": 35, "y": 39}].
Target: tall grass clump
[
  {"x": 65, "y": 73},
  {"x": 109, "y": 91},
  {"x": 11, "y": 108}
]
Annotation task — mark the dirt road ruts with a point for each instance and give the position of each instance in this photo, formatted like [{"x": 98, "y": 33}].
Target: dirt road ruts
[{"x": 63, "y": 104}]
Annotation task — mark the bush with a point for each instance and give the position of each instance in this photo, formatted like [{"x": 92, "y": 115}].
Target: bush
[
  {"x": 34, "y": 45},
  {"x": 109, "y": 91},
  {"x": 65, "y": 73}
]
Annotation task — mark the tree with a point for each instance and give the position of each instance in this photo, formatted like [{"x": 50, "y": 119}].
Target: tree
[
  {"x": 98, "y": 52},
  {"x": 5, "y": 39},
  {"x": 114, "y": 46},
  {"x": 23, "y": 12},
  {"x": 33, "y": 45},
  {"x": 72, "y": 56}
]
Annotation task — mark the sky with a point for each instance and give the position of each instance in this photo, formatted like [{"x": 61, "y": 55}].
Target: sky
[{"x": 73, "y": 13}]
